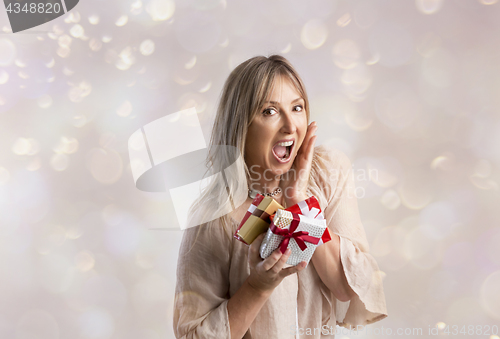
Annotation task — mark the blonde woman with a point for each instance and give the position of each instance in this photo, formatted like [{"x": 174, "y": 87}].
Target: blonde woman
[{"x": 224, "y": 289}]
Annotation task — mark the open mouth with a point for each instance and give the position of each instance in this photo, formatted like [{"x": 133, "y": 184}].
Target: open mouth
[{"x": 282, "y": 150}]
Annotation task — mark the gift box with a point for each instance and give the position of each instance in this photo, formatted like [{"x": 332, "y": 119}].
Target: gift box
[
  {"x": 310, "y": 208},
  {"x": 256, "y": 219},
  {"x": 300, "y": 233}
]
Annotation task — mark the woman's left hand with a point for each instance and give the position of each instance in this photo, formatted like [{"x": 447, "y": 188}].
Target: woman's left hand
[{"x": 294, "y": 182}]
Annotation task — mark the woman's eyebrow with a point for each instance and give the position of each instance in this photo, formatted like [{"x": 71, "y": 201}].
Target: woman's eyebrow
[{"x": 277, "y": 102}]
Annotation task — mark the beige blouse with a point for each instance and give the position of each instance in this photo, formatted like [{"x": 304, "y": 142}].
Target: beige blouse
[{"x": 212, "y": 270}]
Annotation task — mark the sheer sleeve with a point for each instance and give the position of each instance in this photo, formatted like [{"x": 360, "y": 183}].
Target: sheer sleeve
[
  {"x": 360, "y": 268},
  {"x": 201, "y": 293}
]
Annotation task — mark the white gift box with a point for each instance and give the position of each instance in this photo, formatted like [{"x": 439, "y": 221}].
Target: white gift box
[{"x": 283, "y": 220}]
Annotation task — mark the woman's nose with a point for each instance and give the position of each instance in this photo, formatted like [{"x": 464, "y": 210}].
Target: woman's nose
[{"x": 289, "y": 126}]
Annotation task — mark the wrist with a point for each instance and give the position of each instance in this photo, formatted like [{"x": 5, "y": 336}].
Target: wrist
[{"x": 262, "y": 293}]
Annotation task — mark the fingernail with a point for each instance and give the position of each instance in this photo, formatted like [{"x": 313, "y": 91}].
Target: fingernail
[{"x": 288, "y": 251}]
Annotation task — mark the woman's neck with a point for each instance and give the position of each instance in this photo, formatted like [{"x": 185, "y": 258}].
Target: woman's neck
[{"x": 267, "y": 186}]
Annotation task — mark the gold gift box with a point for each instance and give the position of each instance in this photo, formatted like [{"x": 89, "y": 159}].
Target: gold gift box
[{"x": 256, "y": 220}]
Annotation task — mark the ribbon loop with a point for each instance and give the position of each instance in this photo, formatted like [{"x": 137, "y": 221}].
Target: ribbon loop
[
  {"x": 300, "y": 237},
  {"x": 308, "y": 212}
]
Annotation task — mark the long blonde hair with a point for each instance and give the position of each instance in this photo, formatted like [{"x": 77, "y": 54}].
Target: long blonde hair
[{"x": 244, "y": 93}]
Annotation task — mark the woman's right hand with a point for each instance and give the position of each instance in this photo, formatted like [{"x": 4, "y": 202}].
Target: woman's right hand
[{"x": 266, "y": 274}]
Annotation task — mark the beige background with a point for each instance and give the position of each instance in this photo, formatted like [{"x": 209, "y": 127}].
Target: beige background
[{"x": 407, "y": 88}]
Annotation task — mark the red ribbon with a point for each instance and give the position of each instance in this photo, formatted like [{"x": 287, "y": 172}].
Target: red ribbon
[{"x": 300, "y": 237}]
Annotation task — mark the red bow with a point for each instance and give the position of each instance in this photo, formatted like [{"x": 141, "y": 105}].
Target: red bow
[{"x": 300, "y": 237}]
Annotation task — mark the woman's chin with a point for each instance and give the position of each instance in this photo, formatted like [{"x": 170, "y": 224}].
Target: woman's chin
[
  {"x": 275, "y": 168},
  {"x": 281, "y": 169}
]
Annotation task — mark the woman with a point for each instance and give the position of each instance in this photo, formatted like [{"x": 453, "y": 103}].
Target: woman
[{"x": 224, "y": 289}]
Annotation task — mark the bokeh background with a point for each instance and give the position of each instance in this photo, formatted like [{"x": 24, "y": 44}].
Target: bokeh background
[{"x": 408, "y": 88}]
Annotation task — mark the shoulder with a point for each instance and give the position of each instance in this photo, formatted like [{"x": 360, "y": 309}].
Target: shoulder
[
  {"x": 332, "y": 155},
  {"x": 329, "y": 170},
  {"x": 210, "y": 239},
  {"x": 328, "y": 160}
]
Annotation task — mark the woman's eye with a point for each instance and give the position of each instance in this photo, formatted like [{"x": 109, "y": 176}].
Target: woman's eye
[{"x": 268, "y": 111}]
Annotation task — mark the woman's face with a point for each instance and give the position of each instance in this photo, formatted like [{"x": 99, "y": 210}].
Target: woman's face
[{"x": 277, "y": 131}]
